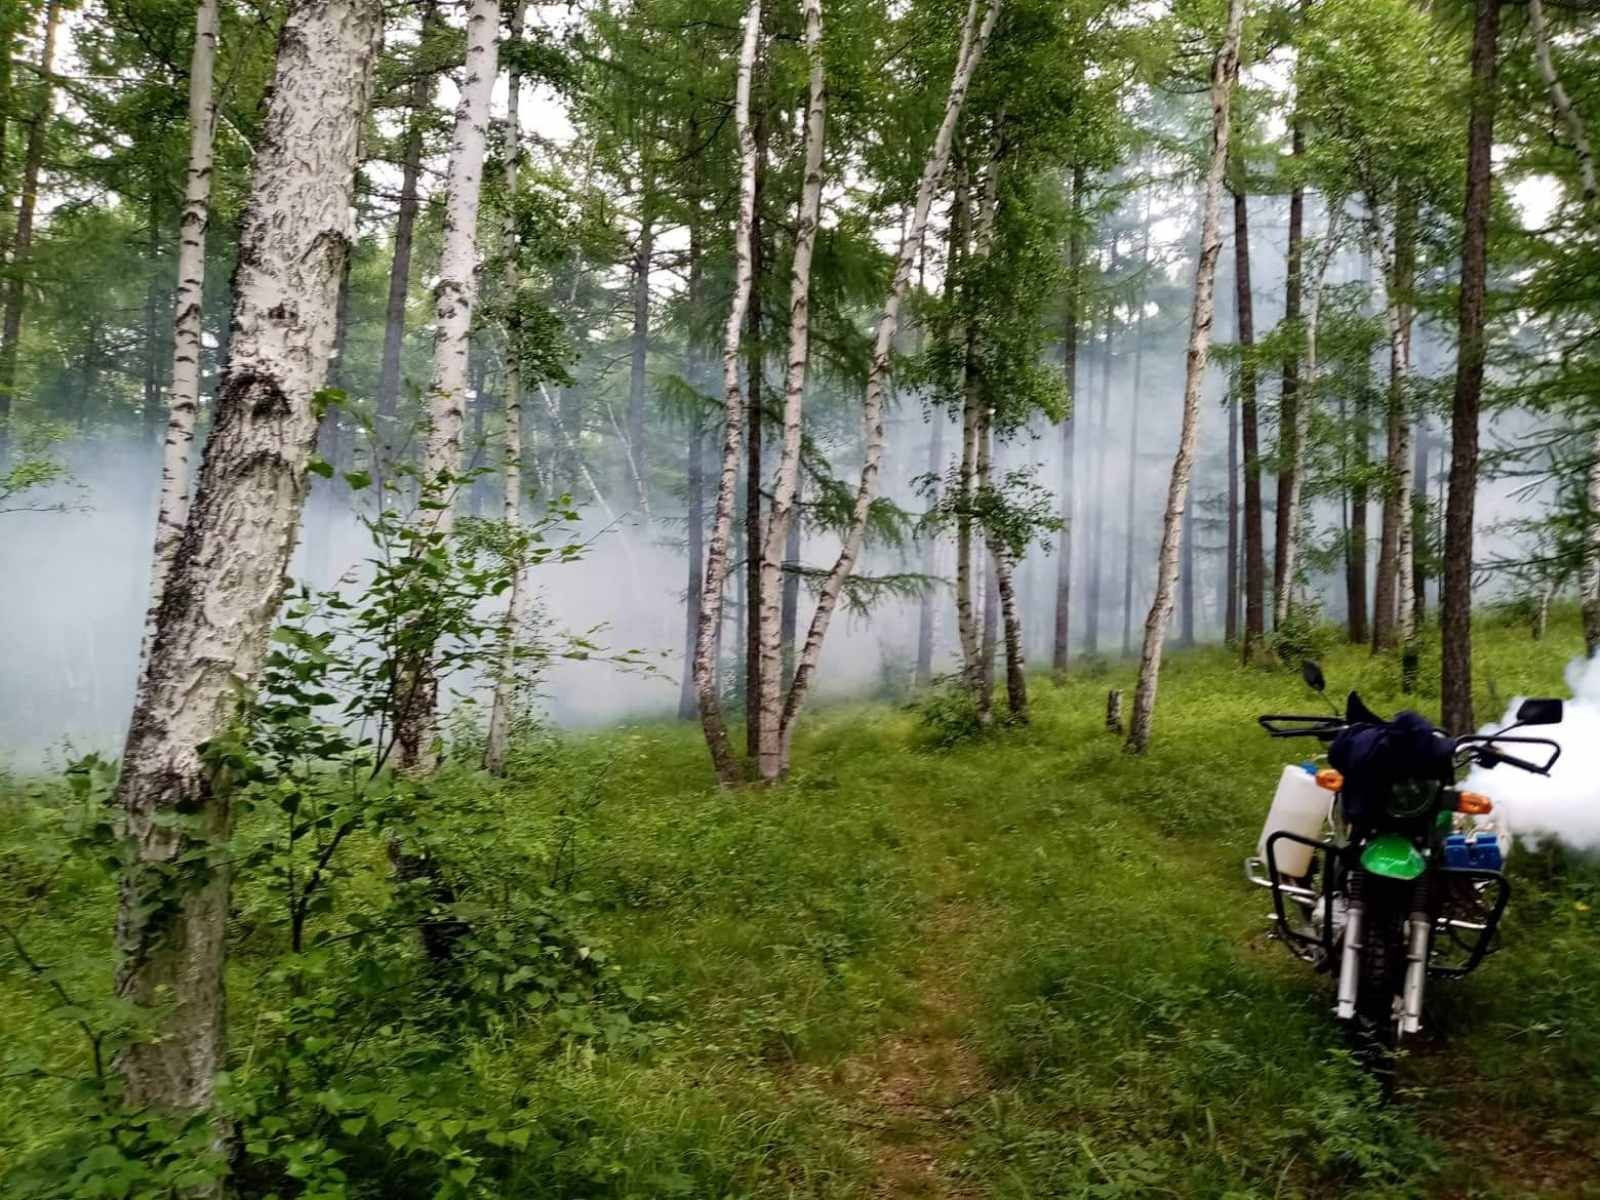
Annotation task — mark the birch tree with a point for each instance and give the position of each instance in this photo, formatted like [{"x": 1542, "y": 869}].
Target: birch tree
[
  {"x": 1062, "y": 628},
  {"x": 502, "y": 706},
  {"x": 1255, "y": 560},
  {"x": 1224, "y": 72},
  {"x": 780, "y": 514},
  {"x": 183, "y": 402},
  {"x": 716, "y": 572},
  {"x": 974, "y": 38},
  {"x": 455, "y": 296},
  {"x": 226, "y": 577}
]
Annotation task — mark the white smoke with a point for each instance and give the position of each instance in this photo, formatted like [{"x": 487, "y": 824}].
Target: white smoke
[{"x": 1566, "y": 803}]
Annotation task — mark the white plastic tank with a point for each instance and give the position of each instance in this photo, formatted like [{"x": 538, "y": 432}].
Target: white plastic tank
[{"x": 1299, "y": 806}]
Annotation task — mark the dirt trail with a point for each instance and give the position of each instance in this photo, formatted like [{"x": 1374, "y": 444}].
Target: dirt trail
[{"x": 910, "y": 1093}]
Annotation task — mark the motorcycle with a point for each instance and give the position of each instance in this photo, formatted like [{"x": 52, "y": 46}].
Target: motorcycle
[{"x": 1383, "y": 874}]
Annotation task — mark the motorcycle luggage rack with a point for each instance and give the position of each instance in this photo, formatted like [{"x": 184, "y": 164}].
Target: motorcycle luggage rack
[
  {"x": 1313, "y": 948},
  {"x": 1485, "y": 930}
]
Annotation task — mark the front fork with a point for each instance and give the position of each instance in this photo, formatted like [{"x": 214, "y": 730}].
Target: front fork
[
  {"x": 1419, "y": 933},
  {"x": 1420, "y": 930},
  {"x": 1350, "y": 959}
]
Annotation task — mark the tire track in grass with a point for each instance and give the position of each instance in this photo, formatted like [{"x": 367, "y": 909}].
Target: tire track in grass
[{"x": 909, "y": 1093}]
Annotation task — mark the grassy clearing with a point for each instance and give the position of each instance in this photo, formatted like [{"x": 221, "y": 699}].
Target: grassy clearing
[{"x": 1024, "y": 967}]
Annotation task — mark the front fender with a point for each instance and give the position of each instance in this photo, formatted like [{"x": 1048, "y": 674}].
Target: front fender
[{"x": 1393, "y": 856}]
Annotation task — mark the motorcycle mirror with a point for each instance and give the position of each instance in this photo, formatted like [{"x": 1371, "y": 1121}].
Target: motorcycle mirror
[
  {"x": 1312, "y": 674},
  {"x": 1540, "y": 712}
]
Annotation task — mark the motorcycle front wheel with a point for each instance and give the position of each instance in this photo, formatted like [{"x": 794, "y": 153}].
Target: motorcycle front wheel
[{"x": 1376, "y": 1029}]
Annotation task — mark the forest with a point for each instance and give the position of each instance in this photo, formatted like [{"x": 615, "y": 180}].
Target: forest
[{"x": 642, "y": 598}]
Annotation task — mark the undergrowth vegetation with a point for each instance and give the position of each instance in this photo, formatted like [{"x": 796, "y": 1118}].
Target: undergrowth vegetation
[{"x": 657, "y": 988}]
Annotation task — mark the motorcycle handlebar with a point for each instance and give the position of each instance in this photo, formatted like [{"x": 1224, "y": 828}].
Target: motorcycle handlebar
[
  {"x": 1289, "y": 725},
  {"x": 1485, "y": 748}
]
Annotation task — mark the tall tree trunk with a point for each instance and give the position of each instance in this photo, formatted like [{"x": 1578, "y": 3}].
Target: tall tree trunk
[
  {"x": 1419, "y": 526},
  {"x": 183, "y": 402},
  {"x": 688, "y": 703},
  {"x": 1131, "y": 514},
  {"x": 755, "y": 378},
  {"x": 1456, "y": 593},
  {"x": 1230, "y": 578},
  {"x": 974, "y": 38},
  {"x": 977, "y": 410},
  {"x": 988, "y": 640},
  {"x": 455, "y": 296},
  {"x": 789, "y": 614},
  {"x": 1186, "y": 582},
  {"x": 502, "y": 709},
  {"x": 1356, "y": 543},
  {"x": 1399, "y": 272},
  {"x": 694, "y": 470},
  {"x": 22, "y": 238},
  {"x": 226, "y": 580},
  {"x": 716, "y": 573},
  {"x": 1001, "y": 608},
  {"x": 1011, "y": 619},
  {"x": 930, "y": 553},
  {"x": 639, "y": 345},
  {"x": 1255, "y": 561},
  {"x": 967, "y": 479},
  {"x": 1097, "y": 522},
  {"x": 773, "y": 541},
  {"x": 394, "y": 321},
  {"x": 1291, "y": 451},
  {"x": 1061, "y": 634},
  {"x": 1224, "y": 71}
]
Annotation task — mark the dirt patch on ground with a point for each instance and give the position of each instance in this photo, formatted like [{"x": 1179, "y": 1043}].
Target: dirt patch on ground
[{"x": 911, "y": 1092}]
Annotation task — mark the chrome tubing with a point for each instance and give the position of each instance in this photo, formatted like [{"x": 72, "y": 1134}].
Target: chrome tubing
[
  {"x": 1421, "y": 930},
  {"x": 1252, "y": 868},
  {"x": 1350, "y": 962}
]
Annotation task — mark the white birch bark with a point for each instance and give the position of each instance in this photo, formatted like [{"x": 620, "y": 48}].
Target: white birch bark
[
  {"x": 1397, "y": 321},
  {"x": 974, "y": 38},
  {"x": 183, "y": 402},
  {"x": 455, "y": 296},
  {"x": 1306, "y": 401},
  {"x": 501, "y": 708},
  {"x": 706, "y": 639},
  {"x": 1563, "y": 103},
  {"x": 975, "y": 401},
  {"x": 774, "y": 542},
  {"x": 1224, "y": 71},
  {"x": 1589, "y": 565},
  {"x": 456, "y": 292},
  {"x": 227, "y": 576}
]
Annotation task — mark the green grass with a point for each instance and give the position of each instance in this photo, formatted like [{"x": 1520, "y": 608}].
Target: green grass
[{"x": 1080, "y": 917}]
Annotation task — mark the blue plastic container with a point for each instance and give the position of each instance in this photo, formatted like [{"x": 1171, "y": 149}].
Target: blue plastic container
[
  {"x": 1484, "y": 852},
  {"x": 1457, "y": 851}
]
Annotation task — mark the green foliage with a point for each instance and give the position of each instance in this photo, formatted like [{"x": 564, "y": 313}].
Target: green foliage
[
  {"x": 1304, "y": 634},
  {"x": 947, "y": 716},
  {"x": 1068, "y": 917},
  {"x": 34, "y": 475}
]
